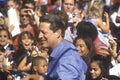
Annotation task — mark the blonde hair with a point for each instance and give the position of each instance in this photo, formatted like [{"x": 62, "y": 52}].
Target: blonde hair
[{"x": 94, "y": 9}]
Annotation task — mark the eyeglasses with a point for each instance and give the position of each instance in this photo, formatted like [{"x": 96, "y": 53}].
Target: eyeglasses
[
  {"x": 24, "y": 15},
  {"x": 3, "y": 36}
]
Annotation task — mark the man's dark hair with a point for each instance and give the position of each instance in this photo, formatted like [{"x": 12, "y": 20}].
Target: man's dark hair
[
  {"x": 87, "y": 29},
  {"x": 64, "y": 0},
  {"x": 28, "y": 2},
  {"x": 56, "y": 22}
]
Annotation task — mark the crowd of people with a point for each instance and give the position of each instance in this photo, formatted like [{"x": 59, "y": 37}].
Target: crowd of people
[{"x": 59, "y": 40}]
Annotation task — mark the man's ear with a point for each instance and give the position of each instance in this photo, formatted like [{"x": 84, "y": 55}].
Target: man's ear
[
  {"x": 59, "y": 32},
  {"x": 35, "y": 68}
]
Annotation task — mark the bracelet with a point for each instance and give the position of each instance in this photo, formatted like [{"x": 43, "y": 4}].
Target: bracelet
[{"x": 117, "y": 56}]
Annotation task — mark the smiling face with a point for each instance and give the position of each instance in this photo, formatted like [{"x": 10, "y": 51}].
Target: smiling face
[
  {"x": 95, "y": 70},
  {"x": 27, "y": 42},
  {"x": 3, "y": 38},
  {"x": 47, "y": 36},
  {"x": 81, "y": 47}
]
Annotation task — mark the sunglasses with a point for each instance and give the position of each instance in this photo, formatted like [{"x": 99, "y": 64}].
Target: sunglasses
[
  {"x": 24, "y": 15},
  {"x": 3, "y": 36},
  {"x": 28, "y": 7}
]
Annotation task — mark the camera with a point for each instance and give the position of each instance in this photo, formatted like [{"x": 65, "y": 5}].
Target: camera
[{"x": 73, "y": 15}]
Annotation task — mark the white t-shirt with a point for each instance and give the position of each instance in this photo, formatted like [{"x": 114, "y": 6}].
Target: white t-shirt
[{"x": 115, "y": 70}]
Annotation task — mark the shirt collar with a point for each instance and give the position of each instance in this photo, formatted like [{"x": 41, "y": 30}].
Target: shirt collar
[{"x": 57, "y": 49}]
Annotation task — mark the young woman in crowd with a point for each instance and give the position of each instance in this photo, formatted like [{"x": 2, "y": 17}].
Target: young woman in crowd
[
  {"x": 26, "y": 51},
  {"x": 85, "y": 47},
  {"x": 87, "y": 29}
]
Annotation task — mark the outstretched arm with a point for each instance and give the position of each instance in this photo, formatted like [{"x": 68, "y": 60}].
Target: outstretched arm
[
  {"x": 22, "y": 66},
  {"x": 33, "y": 77},
  {"x": 104, "y": 27}
]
